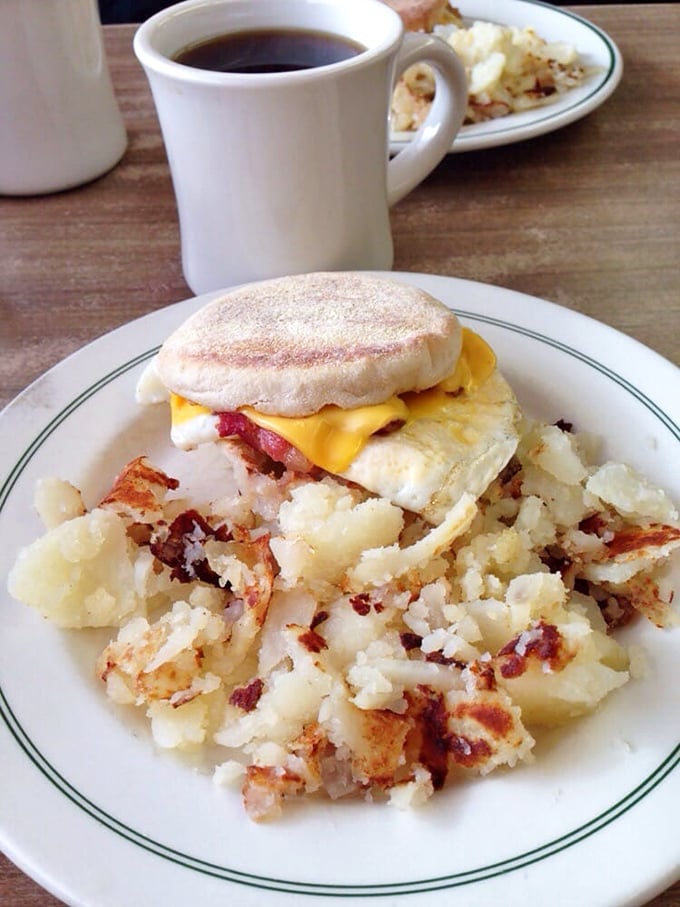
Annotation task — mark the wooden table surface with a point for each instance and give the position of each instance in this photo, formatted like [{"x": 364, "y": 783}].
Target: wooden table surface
[{"x": 588, "y": 217}]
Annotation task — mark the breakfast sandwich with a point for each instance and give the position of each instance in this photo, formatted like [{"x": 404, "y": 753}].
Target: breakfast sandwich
[{"x": 349, "y": 374}]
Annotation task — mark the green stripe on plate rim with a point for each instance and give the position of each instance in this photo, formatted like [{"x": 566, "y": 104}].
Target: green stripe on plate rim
[{"x": 453, "y": 880}]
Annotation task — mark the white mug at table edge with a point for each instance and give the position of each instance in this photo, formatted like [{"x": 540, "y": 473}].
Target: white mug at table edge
[
  {"x": 60, "y": 124},
  {"x": 285, "y": 172}
]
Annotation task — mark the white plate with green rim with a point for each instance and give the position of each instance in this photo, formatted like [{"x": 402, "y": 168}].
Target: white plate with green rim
[{"x": 100, "y": 818}]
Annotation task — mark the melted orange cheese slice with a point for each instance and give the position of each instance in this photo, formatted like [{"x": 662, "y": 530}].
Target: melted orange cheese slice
[
  {"x": 476, "y": 363},
  {"x": 332, "y": 437},
  {"x": 182, "y": 410}
]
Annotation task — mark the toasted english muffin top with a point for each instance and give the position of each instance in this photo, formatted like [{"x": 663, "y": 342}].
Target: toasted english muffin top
[{"x": 292, "y": 345}]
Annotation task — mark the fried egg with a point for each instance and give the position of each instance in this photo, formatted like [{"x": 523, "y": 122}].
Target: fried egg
[{"x": 435, "y": 458}]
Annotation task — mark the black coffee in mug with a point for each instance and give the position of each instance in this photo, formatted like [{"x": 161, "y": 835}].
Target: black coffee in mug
[{"x": 267, "y": 51}]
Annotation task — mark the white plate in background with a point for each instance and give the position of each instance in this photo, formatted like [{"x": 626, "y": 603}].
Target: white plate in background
[{"x": 595, "y": 48}]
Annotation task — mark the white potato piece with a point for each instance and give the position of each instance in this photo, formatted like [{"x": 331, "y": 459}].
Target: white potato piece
[
  {"x": 81, "y": 573},
  {"x": 325, "y": 527},
  {"x": 57, "y": 501},
  {"x": 632, "y": 494}
]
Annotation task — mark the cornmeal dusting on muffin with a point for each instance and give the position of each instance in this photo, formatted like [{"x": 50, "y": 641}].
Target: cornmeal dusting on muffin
[
  {"x": 509, "y": 70},
  {"x": 328, "y": 641}
]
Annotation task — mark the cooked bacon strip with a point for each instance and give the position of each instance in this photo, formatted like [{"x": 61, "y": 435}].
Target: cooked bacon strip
[
  {"x": 179, "y": 548},
  {"x": 268, "y": 442},
  {"x": 543, "y": 642},
  {"x": 248, "y": 696}
]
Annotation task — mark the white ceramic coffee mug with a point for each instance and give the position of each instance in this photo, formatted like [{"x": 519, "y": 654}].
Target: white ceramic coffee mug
[
  {"x": 60, "y": 124},
  {"x": 281, "y": 173}
]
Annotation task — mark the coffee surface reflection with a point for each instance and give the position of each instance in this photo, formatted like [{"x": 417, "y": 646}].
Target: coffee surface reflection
[{"x": 268, "y": 51}]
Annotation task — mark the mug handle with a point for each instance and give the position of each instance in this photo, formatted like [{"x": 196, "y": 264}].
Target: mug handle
[{"x": 434, "y": 138}]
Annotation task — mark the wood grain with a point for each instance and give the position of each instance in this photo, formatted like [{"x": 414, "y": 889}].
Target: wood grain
[{"x": 588, "y": 217}]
